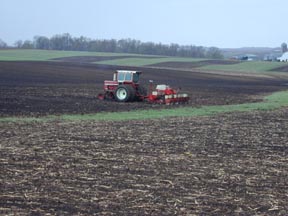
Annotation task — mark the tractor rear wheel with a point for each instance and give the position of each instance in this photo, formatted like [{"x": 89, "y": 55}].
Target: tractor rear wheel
[
  {"x": 142, "y": 92},
  {"x": 125, "y": 93}
]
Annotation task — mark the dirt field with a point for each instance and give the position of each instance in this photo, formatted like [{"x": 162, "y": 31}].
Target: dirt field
[
  {"x": 194, "y": 64},
  {"x": 233, "y": 164},
  {"x": 44, "y": 88},
  {"x": 230, "y": 164},
  {"x": 282, "y": 69},
  {"x": 91, "y": 59}
]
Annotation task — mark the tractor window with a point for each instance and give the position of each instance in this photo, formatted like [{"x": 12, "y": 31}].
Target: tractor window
[
  {"x": 135, "y": 77},
  {"x": 121, "y": 77},
  {"x": 128, "y": 77}
]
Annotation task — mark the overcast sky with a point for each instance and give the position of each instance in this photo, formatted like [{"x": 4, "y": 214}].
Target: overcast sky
[{"x": 221, "y": 23}]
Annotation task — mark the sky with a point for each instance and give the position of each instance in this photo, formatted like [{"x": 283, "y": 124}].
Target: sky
[{"x": 220, "y": 23}]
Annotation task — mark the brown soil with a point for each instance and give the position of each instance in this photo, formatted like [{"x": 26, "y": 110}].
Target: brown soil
[
  {"x": 90, "y": 59},
  {"x": 233, "y": 164},
  {"x": 282, "y": 69},
  {"x": 44, "y": 88},
  {"x": 197, "y": 64}
]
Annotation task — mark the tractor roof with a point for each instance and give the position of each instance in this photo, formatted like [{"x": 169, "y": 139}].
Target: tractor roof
[{"x": 128, "y": 71}]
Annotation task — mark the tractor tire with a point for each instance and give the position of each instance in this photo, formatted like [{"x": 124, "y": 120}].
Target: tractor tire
[
  {"x": 124, "y": 93},
  {"x": 141, "y": 92},
  {"x": 132, "y": 93}
]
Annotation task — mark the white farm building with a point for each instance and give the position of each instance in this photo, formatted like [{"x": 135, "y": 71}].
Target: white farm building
[{"x": 284, "y": 57}]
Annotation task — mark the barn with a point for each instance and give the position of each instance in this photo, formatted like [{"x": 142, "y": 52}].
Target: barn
[{"x": 284, "y": 57}]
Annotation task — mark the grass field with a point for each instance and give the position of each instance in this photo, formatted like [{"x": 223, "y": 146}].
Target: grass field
[
  {"x": 147, "y": 61},
  {"x": 253, "y": 66},
  {"x": 44, "y": 55}
]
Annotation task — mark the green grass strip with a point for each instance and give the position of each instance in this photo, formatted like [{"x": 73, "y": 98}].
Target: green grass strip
[
  {"x": 274, "y": 101},
  {"x": 146, "y": 61},
  {"x": 247, "y": 66},
  {"x": 45, "y": 55}
]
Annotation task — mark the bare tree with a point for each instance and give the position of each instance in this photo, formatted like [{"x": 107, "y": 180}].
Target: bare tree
[
  {"x": 214, "y": 53},
  {"x": 18, "y": 44},
  {"x": 27, "y": 45},
  {"x": 41, "y": 42},
  {"x": 67, "y": 42},
  {"x": 2, "y": 44}
]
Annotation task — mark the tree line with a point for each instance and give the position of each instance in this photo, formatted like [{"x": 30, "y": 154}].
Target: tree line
[{"x": 69, "y": 43}]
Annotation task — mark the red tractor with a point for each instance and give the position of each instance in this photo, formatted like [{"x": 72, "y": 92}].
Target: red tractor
[{"x": 126, "y": 87}]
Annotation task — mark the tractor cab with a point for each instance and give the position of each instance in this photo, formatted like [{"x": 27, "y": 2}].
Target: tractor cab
[{"x": 122, "y": 76}]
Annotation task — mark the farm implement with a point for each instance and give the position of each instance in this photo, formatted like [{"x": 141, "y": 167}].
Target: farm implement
[{"x": 125, "y": 87}]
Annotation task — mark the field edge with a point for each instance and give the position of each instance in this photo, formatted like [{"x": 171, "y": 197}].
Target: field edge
[{"x": 270, "y": 102}]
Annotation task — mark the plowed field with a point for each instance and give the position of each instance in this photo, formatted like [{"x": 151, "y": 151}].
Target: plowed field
[
  {"x": 225, "y": 165},
  {"x": 229, "y": 164},
  {"x": 45, "y": 88}
]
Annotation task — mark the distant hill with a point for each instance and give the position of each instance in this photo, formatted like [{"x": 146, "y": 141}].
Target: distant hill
[{"x": 261, "y": 52}]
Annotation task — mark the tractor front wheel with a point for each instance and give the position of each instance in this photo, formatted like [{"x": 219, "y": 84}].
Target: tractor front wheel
[{"x": 125, "y": 93}]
